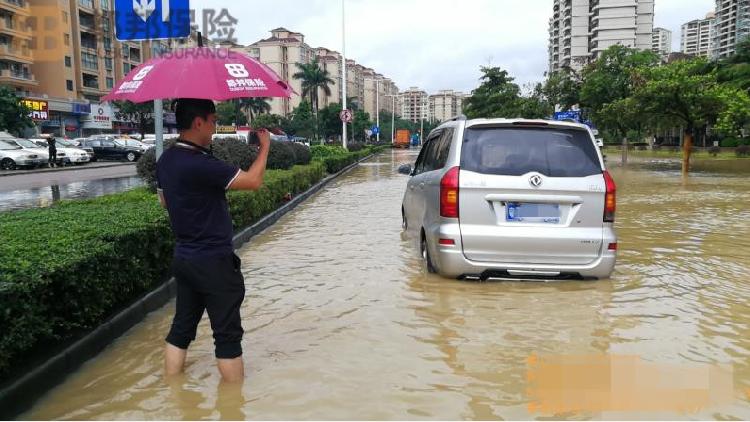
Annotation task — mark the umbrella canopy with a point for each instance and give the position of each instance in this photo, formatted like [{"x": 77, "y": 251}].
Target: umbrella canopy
[{"x": 206, "y": 73}]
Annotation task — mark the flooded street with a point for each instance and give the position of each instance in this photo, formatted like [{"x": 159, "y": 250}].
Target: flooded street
[{"x": 342, "y": 322}]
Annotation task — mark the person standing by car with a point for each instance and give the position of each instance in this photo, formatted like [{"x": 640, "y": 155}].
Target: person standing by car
[
  {"x": 52, "y": 149},
  {"x": 192, "y": 186}
]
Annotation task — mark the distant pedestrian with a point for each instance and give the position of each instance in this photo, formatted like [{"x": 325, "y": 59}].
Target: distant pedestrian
[
  {"x": 192, "y": 186},
  {"x": 52, "y": 148}
]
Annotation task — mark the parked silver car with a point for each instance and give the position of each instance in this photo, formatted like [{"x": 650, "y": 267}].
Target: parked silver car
[{"x": 512, "y": 199}]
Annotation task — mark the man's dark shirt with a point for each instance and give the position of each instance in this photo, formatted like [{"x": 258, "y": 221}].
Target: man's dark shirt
[
  {"x": 51, "y": 143},
  {"x": 194, "y": 185}
]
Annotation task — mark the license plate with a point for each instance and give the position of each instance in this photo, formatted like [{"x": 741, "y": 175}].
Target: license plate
[{"x": 532, "y": 213}]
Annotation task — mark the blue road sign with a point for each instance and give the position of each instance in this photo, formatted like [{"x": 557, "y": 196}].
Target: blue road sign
[
  {"x": 568, "y": 115},
  {"x": 137, "y": 20},
  {"x": 375, "y": 130}
]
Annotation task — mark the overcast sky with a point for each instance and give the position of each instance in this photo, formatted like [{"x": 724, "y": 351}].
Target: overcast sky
[{"x": 432, "y": 44}]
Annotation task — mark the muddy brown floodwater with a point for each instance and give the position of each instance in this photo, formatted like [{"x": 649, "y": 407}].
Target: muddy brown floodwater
[{"x": 342, "y": 322}]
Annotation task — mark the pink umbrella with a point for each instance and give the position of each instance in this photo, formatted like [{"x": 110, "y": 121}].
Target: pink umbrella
[{"x": 212, "y": 74}]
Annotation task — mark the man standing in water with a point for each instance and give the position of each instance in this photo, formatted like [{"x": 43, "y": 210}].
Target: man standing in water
[{"x": 192, "y": 186}]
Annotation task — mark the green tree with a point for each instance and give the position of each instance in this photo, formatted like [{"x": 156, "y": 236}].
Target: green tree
[
  {"x": 226, "y": 114},
  {"x": 496, "y": 96},
  {"x": 735, "y": 70},
  {"x": 255, "y": 106},
  {"x": 684, "y": 92},
  {"x": 563, "y": 88},
  {"x": 142, "y": 114},
  {"x": 329, "y": 122},
  {"x": 267, "y": 121},
  {"x": 301, "y": 122},
  {"x": 313, "y": 78},
  {"x": 360, "y": 122},
  {"x": 14, "y": 116},
  {"x": 535, "y": 105}
]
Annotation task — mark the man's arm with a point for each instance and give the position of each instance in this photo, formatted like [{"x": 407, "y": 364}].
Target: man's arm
[{"x": 252, "y": 179}]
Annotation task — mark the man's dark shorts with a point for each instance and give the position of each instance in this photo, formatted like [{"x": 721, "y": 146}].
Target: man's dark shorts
[{"x": 215, "y": 284}]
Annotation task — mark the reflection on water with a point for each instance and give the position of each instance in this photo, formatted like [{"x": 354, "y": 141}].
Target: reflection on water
[
  {"x": 341, "y": 321},
  {"x": 46, "y": 196}
]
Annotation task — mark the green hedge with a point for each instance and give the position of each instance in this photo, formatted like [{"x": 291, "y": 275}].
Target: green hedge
[{"x": 55, "y": 283}]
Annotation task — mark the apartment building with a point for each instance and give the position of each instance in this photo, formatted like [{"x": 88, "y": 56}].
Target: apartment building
[
  {"x": 282, "y": 52},
  {"x": 696, "y": 36},
  {"x": 661, "y": 42},
  {"x": 330, "y": 61},
  {"x": 16, "y": 55},
  {"x": 414, "y": 104},
  {"x": 731, "y": 26},
  {"x": 581, "y": 29},
  {"x": 445, "y": 105}
]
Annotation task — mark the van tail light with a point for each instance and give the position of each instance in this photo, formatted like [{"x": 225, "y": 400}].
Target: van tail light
[
  {"x": 610, "y": 198},
  {"x": 449, "y": 194}
]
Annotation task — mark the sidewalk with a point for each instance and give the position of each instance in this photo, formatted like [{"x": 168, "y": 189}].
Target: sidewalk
[{"x": 87, "y": 166}]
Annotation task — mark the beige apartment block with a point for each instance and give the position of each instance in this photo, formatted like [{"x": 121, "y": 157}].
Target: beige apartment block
[
  {"x": 731, "y": 26},
  {"x": 414, "y": 104},
  {"x": 330, "y": 61},
  {"x": 445, "y": 105},
  {"x": 696, "y": 36},
  {"x": 661, "y": 42},
  {"x": 282, "y": 52},
  {"x": 580, "y": 30},
  {"x": 16, "y": 55}
]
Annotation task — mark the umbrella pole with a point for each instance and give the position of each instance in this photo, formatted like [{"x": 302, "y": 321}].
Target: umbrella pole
[{"x": 159, "y": 127}]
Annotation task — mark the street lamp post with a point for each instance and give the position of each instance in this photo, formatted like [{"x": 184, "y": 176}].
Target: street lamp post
[
  {"x": 343, "y": 61},
  {"x": 377, "y": 105}
]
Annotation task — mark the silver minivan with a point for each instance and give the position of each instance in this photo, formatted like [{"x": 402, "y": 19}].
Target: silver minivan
[{"x": 512, "y": 199}]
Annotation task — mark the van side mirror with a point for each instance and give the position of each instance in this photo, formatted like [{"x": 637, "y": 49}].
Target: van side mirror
[{"x": 405, "y": 169}]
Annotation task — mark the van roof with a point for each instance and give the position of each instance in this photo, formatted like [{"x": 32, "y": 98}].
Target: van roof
[{"x": 526, "y": 122}]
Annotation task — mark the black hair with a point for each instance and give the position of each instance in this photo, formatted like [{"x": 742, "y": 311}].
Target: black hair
[{"x": 187, "y": 109}]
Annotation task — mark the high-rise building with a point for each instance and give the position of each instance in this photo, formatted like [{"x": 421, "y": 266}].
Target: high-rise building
[
  {"x": 16, "y": 55},
  {"x": 732, "y": 25},
  {"x": 696, "y": 36},
  {"x": 282, "y": 52},
  {"x": 581, "y": 29},
  {"x": 414, "y": 104},
  {"x": 445, "y": 105},
  {"x": 661, "y": 42}
]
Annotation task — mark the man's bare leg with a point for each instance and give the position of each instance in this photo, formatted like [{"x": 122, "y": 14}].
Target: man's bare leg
[
  {"x": 174, "y": 360},
  {"x": 232, "y": 370}
]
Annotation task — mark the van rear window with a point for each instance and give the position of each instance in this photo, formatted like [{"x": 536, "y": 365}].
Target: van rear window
[{"x": 517, "y": 151}]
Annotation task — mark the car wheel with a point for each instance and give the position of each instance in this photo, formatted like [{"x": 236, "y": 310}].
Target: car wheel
[
  {"x": 131, "y": 157},
  {"x": 7, "y": 164},
  {"x": 426, "y": 256}
]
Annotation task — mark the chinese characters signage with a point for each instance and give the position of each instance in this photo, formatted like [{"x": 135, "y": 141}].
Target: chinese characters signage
[{"x": 39, "y": 109}]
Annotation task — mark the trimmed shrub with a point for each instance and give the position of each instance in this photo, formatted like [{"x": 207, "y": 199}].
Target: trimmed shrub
[
  {"x": 280, "y": 156},
  {"x": 742, "y": 151},
  {"x": 730, "y": 143},
  {"x": 235, "y": 152},
  {"x": 146, "y": 165},
  {"x": 714, "y": 151},
  {"x": 323, "y": 151},
  {"x": 301, "y": 153},
  {"x": 55, "y": 285},
  {"x": 355, "y": 146}
]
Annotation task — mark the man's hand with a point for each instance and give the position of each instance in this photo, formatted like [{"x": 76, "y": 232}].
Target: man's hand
[{"x": 265, "y": 139}]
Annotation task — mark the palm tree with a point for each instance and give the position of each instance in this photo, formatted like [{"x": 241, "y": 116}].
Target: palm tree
[
  {"x": 313, "y": 78},
  {"x": 255, "y": 106}
]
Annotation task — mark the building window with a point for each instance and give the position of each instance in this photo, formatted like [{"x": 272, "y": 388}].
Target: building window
[
  {"x": 110, "y": 83},
  {"x": 104, "y": 4},
  {"x": 90, "y": 61},
  {"x": 69, "y": 84},
  {"x": 105, "y": 25},
  {"x": 108, "y": 63},
  {"x": 90, "y": 81},
  {"x": 126, "y": 68},
  {"x": 108, "y": 43},
  {"x": 68, "y": 61},
  {"x": 86, "y": 3}
]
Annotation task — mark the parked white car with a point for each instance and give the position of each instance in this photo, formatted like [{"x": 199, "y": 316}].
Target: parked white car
[
  {"x": 67, "y": 153},
  {"x": 13, "y": 156},
  {"x": 29, "y": 146}
]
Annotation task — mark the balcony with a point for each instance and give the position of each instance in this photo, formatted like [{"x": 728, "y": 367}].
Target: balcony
[
  {"x": 15, "y": 30},
  {"x": 17, "y": 78},
  {"x": 19, "y": 7},
  {"x": 16, "y": 53}
]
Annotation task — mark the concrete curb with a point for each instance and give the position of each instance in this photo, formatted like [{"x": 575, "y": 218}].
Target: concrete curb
[
  {"x": 21, "y": 394},
  {"x": 59, "y": 169}
]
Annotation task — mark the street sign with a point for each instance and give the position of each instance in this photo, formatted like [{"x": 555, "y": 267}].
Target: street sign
[
  {"x": 137, "y": 20},
  {"x": 346, "y": 116},
  {"x": 375, "y": 130},
  {"x": 568, "y": 115}
]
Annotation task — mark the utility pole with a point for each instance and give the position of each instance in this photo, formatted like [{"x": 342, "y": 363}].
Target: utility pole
[{"x": 377, "y": 107}]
